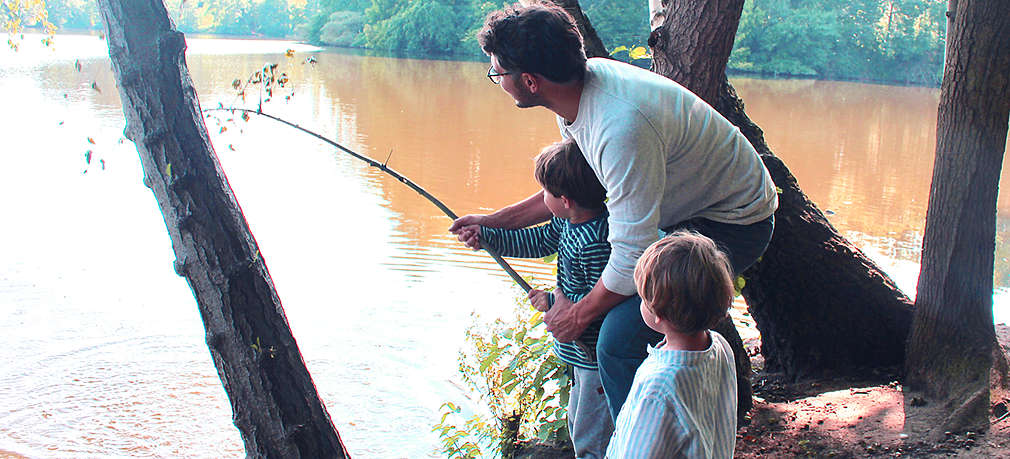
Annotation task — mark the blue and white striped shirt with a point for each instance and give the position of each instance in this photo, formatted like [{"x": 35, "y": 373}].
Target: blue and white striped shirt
[
  {"x": 681, "y": 404},
  {"x": 583, "y": 252}
]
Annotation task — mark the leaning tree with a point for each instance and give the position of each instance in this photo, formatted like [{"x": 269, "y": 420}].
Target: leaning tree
[{"x": 274, "y": 401}]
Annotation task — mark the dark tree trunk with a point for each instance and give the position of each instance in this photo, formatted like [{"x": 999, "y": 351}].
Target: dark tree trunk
[
  {"x": 273, "y": 399},
  {"x": 591, "y": 41},
  {"x": 693, "y": 44},
  {"x": 951, "y": 345},
  {"x": 821, "y": 306}
]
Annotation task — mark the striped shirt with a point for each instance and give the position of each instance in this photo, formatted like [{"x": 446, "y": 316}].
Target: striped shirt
[
  {"x": 583, "y": 252},
  {"x": 681, "y": 404}
]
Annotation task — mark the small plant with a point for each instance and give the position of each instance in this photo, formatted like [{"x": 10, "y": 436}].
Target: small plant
[
  {"x": 633, "y": 53},
  {"x": 523, "y": 384}
]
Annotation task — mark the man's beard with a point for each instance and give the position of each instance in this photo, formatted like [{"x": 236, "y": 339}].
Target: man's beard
[{"x": 527, "y": 99}]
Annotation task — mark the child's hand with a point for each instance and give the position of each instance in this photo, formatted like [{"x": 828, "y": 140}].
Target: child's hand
[
  {"x": 468, "y": 234},
  {"x": 539, "y": 299}
]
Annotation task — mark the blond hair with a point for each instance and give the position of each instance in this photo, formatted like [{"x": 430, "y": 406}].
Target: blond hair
[{"x": 685, "y": 280}]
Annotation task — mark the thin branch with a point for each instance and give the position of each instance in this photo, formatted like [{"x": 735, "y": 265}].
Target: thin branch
[{"x": 371, "y": 162}]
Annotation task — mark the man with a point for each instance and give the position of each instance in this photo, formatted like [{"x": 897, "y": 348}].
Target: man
[{"x": 667, "y": 159}]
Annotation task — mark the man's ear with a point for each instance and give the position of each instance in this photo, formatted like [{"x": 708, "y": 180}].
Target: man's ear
[{"x": 531, "y": 81}]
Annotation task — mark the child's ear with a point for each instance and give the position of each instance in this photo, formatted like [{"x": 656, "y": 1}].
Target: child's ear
[{"x": 567, "y": 202}]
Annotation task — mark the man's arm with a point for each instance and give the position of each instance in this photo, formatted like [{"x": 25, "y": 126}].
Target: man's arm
[
  {"x": 567, "y": 320},
  {"x": 527, "y": 212}
]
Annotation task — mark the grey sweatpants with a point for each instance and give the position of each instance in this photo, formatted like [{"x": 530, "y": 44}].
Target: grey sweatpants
[{"x": 589, "y": 418}]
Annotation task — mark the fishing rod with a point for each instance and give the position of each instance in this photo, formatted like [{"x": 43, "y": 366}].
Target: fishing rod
[{"x": 382, "y": 167}]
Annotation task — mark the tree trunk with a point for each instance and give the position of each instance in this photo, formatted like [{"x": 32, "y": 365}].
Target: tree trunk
[
  {"x": 821, "y": 306},
  {"x": 590, "y": 41},
  {"x": 275, "y": 404},
  {"x": 951, "y": 346}
]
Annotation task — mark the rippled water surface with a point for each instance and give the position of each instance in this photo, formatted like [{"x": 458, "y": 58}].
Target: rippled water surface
[{"x": 103, "y": 344}]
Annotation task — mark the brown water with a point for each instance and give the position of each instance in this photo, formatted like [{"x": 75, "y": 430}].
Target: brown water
[{"x": 105, "y": 352}]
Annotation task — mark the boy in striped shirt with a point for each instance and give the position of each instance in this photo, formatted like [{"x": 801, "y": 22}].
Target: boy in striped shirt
[
  {"x": 578, "y": 234},
  {"x": 683, "y": 399}
]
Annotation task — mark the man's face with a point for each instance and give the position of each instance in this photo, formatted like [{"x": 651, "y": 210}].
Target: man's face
[{"x": 512, "y": 83}]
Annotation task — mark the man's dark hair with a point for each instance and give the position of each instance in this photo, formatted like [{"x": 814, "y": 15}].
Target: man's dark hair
[
  {"x": 561, "y": 169},
  {"x": 536, "y": 38}
]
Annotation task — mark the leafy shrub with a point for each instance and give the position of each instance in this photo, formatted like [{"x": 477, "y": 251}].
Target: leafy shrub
[{"x": 523, "y": 384}]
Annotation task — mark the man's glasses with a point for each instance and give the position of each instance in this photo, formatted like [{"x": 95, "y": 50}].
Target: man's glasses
[{"x": 495, "y": 77}]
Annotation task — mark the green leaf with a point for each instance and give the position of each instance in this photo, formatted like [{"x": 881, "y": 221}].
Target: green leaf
[
  {"x": 640, "y": 52},
  {"x": 168, "y": 169}
]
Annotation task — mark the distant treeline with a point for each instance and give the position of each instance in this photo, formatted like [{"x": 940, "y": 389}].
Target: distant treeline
[{"x": 882, "y": 40}]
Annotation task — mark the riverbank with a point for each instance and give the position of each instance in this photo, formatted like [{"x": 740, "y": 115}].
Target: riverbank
[
  {"x": 852, "y": 418},
  {"x": 846, "y": 419}
]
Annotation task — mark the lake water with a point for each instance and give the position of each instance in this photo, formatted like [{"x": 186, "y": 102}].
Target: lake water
[{"x": 104, "y": 345}]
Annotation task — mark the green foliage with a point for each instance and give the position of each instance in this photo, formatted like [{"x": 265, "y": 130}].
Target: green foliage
[
  {"x": 632, "y": 54},
  {"x": 889, "y": 40},
  {"x": 523, "y": 384},
  {"x": 343, "y": 29},
  {"x": 311, "y": 30},
  {"x": 426, "y": 26},
  {"x": 73, "y": 14},
  {"x": 618, "y": 23},
  {"x": 17, "y": 14}
]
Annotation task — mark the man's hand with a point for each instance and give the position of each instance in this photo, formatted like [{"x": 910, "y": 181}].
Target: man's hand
[
  {"x": 467, "y": 229},
  {"x": 562, "y": 320},
  {"x": 539, "y": 299}
]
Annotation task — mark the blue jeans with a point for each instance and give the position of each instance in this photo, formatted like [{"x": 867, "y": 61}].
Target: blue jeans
[{"x": 624, "y": 336}]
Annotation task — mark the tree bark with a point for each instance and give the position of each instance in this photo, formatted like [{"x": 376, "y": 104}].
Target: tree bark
[
  {"x": 275, "y": 404},
  {"x": 821, "y": 306},
  {"x": 950, "y": 349}
]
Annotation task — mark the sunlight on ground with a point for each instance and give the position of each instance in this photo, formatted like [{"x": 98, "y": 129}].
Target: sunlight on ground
[{"x": 848, "y": 415}]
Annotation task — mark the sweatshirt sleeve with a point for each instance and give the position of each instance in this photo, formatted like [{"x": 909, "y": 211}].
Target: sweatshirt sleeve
[
  {"x": 633, "y": 169},
  {"x": 531, "y": 242}
]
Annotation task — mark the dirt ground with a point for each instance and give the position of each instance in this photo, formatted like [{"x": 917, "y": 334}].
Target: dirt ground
[{"x": 852, "y": 418}]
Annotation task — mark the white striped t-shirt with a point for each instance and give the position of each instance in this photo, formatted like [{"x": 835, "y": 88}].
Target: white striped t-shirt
[{"x": 681, "y": 404}]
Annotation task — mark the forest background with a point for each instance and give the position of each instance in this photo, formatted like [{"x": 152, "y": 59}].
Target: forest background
[{"x": 894, "y": 41}]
